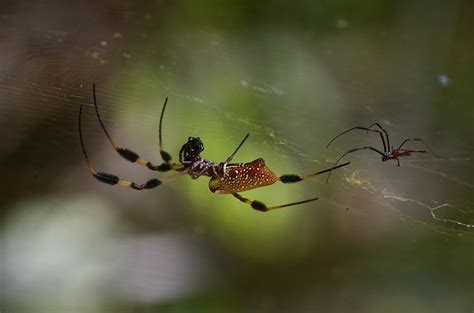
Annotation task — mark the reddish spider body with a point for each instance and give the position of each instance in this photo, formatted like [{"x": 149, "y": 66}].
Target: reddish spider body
[
  {"x": 226, "y": 177},
  {"x": 395, "y": 154},
  {"x": 230, "y": 177},
  {"x": 242, "y": 177}
]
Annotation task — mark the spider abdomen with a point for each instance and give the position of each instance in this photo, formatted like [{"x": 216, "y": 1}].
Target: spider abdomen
[
  {"x": 400, "y": 152},
  {"x": 242, "y": 177}
]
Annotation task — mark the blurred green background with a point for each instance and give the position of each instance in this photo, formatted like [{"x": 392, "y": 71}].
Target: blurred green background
[{"x": 381, "y": 238}]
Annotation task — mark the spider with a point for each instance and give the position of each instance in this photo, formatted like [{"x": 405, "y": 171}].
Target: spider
[
  {"x": 226, "y": 177},
  {"x": 389, "y": 153}
]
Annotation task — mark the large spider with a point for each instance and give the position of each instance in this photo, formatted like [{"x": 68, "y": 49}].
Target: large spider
[
  {"x": 226, "y": 177},
  {"x": 389, "y": 153}
]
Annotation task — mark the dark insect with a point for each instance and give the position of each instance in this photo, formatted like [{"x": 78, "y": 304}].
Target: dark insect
[
  {"x": 226, "y": 177},
  {"x": 389, "y": 153}
]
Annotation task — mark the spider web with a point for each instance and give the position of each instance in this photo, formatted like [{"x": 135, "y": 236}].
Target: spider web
[
  {"x": 292, "y": 89},
  {"x": 290, "y": 110}
]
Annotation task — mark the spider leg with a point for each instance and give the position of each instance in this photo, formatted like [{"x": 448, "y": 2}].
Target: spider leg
[
  {"x": 196, "y": 176},
  {"x": 260, "y": 206},
  {"x": 385, "y": 147},
  {"x": 237, "y": 149},
  {"x": 112, "y": 179},
  {"x": 164, "y": 155},
  {"x": 129, "y": 154},
  {"x": 385, "y": 132},
  {"x": 424, "y": 143},
  {"x": 354, "y": 150},
  {"x": 422, "y": 151},
  {"x": 292, "y": 178}
]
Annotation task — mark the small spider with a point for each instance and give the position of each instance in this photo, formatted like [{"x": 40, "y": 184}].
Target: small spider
[
  {"x": 389, "y": 153},
  {"x": 226, "y": 177}
]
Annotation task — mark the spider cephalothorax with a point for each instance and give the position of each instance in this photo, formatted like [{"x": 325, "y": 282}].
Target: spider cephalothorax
[
  {"x": 191, "y": 150},
  {"x": 386, "y": 156}
]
